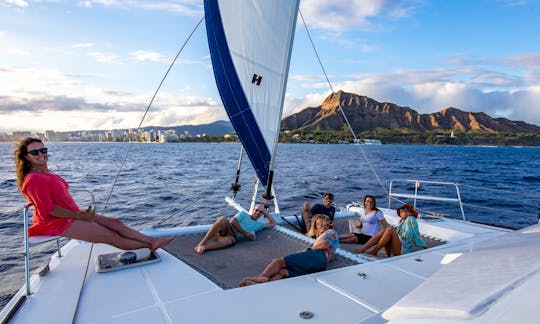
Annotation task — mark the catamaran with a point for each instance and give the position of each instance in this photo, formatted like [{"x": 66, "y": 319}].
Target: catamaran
[{"x": 470, "y": 272}]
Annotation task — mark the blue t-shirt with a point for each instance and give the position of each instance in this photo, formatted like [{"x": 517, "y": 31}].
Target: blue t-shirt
[
  {"x": 320, "y": 209},
  {"x": 247, "y": 223}
]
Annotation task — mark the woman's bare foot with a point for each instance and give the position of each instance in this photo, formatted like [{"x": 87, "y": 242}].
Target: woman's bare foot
[
  {"x": 252, "y": 281},
  {"x": 199, "y": 249},
  {"x": 372, "y": 252},
  {"x": 161, "y": 242}
]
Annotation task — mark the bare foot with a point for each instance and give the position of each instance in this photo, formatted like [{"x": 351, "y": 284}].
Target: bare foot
[
  {"x": 199, "y": 249},
  {"x": 359, "y": 251},
  {"x": 374, "y": 253},
  {"x": 260, "y": 279},
  {"x": 161, "y": 242},
  {"x": 252, "y": 281}
]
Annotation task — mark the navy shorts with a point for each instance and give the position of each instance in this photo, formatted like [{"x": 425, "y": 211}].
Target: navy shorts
[
  {"x": 362, "y": 238},
  {"x": 302, "y": 263}
]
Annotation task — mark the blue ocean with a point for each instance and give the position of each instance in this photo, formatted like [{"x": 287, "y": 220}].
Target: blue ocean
[{"x": 177, "y": 184}]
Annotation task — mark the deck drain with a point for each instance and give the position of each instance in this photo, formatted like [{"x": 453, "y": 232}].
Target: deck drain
[{"x": 306, "y": 315}]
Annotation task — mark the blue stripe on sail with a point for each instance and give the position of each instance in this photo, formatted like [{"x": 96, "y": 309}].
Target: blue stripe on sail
[{"x": 232, "y": 95}]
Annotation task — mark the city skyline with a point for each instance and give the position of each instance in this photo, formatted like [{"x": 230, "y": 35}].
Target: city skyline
[{"x": 68, "y": 65}]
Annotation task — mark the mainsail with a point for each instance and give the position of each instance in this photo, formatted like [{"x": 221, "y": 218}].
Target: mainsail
[{"x": 250, "y": 47}]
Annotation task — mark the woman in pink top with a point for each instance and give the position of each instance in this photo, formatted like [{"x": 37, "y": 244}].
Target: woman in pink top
[{"x": 55, "y": 211}]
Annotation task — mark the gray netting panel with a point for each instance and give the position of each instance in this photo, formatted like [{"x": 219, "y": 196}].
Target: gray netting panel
[{"x": 228, "y": 266}]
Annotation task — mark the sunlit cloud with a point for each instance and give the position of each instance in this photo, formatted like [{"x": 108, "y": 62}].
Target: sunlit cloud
[
  {"x": 17, "y": 3},
  {"x": 16, "y": 52},
  {"x": 342, "y": 15},
  {"x": 149, "y": 56},
  {"x": 193, "y": 8},
  {"x": 103, "y": 57},
  {"x": 82, "y": 45}
]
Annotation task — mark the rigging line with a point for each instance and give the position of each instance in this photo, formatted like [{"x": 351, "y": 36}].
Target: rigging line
[
  {"x": 194, "y": 203},
  {"x": 339, "y": 104},
  {"x": 148, "y": 108},
  {"x": 125, "y": 159}
]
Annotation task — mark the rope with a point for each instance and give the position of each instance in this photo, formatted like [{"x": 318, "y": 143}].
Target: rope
[
  {"x": 339, "y": 105},
  {"x": 148, "y": 108},
  {"x": 198, "y": 201},
  {"x": 125, "y": 159}
]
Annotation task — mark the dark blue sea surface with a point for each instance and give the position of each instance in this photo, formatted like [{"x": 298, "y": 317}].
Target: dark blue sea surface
[{"x": 185, "y": 184}]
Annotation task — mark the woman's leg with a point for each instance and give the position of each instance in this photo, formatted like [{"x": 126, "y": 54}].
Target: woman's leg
[
  {"x": 348, "y": 238},
  {"x": 96, "y": 233},
  {"x": 388, "y": 238},
  {"x": 371, "y": 242},
  {"x": 127, "y": 232},
  {"x": 273, "y": 270}
]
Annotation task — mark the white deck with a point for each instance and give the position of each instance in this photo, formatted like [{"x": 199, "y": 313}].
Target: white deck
[{"x": 397, "y": 288}]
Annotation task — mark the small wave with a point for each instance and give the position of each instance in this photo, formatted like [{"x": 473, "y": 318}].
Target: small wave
[{"x": 531, "y": 178}]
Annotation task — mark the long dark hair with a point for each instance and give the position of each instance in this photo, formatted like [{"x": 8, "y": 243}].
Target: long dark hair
[
  {"x": 374, "y": 201},
  {"x": 22, "y": 165}
]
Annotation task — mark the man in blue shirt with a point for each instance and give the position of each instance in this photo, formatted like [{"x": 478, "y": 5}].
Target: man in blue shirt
[
  {"x": 325, "y": 208},
  {"x": 227, "y": 232}
]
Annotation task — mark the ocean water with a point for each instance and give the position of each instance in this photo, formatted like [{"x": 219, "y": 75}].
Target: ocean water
[{"x": 178, "y": 184}]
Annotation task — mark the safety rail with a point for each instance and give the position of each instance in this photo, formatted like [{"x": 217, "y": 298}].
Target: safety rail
[
  {"x": 34, "y": 240},
  {"x": 416, "y": 196}
]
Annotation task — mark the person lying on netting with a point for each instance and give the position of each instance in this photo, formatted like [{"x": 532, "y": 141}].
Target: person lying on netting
[
  {"x": 312, "y": 260},
  {"x": 226, "y": 233}
]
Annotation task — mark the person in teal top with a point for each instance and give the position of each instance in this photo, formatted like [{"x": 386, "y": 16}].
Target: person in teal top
[
  {"x": 227, "y": 233},
  {"x": 400, "y": 240}
]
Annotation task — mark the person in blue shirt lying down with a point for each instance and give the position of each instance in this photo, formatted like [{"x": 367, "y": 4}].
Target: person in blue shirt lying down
[{"x": 226, "y": 233}]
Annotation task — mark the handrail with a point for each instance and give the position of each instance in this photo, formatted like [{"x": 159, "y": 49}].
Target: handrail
[
  {"x": 27, "y": 247},
  {"x": 416, "y": 196},
  {"x": 26, "y": 250}
]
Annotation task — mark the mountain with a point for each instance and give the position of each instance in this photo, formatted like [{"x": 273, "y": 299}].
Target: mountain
[{"x": 365, "y": 113}]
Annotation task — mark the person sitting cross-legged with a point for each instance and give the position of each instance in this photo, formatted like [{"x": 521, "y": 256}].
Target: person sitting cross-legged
[{"x": 226, "y": 233}]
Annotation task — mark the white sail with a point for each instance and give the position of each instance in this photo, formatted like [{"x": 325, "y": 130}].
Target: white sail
[{"x": 250, "y": 45}]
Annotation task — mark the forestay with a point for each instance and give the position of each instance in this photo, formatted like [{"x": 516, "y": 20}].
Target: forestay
[{"x": 250, "y": 46}]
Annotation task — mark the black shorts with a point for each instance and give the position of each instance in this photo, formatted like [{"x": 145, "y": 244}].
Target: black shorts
[{"x": 362, "y": 238}]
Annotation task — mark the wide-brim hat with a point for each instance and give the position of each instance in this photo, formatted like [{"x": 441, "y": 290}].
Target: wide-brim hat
[{"x": 409, "y": 207}]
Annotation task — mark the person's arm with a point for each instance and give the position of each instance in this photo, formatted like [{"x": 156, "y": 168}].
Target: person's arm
[
  {"x": 322, "y": 245},
  {"x": 66, "y": 213},
  {"x": 271, "y": 221},
  {"x": 382, "y": 220},
  {"x": 239, "y": 229}
]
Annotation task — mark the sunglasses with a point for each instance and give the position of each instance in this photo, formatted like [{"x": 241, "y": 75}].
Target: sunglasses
[{"x": 36, "y": 152}]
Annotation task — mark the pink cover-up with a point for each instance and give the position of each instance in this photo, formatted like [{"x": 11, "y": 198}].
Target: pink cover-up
[{"x": 45, "y": 191}]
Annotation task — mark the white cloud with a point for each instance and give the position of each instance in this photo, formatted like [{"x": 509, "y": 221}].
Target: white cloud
[
  {"x": 82, "y": 45},
  {"x": 191, "y": 8},
  {"x": 16, "y": 52},
  {"x": 342, "y": 15},
  {"x": 103, "y": 57},
  {"x": 149, "y": 56},
  {"x": 17, "y": 3}
]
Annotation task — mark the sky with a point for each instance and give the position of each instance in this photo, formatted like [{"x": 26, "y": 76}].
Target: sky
[{"x": 82, "y": 65}]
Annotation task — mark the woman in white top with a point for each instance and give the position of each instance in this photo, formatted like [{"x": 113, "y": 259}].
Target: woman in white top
[{"x": 370, "y": 219}]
